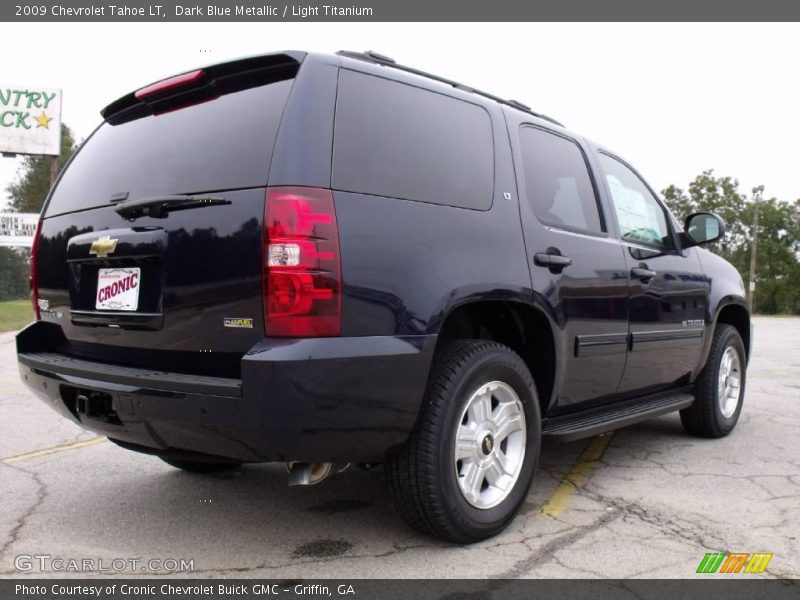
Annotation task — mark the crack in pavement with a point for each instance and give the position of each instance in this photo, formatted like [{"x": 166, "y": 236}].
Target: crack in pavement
[
  {"x": 546, "y": 552},
  {"x": 693, "y": 532},
  {"x": 690, "y": 530},
  {"x": 41, "y": 495}
]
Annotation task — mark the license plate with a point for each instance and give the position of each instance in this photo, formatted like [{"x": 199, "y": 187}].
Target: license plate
[{"x": 118, "y": 289}]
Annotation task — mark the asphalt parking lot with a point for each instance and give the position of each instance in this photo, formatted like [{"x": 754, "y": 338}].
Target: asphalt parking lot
[{"x": 647, "y": 501}]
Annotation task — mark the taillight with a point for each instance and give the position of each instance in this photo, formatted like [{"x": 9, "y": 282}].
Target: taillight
[
  {"x": 33, "y": 279},
  {"x": 302, "y": 270}
]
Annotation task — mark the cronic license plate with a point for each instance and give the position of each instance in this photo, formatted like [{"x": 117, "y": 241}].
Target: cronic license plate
[{"x": 118, "y": 289}]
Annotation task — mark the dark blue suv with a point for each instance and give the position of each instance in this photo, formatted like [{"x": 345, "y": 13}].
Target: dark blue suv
[{"x": 326, "y": 259}]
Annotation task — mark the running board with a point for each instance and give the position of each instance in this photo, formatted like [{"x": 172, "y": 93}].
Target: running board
[{"x": 568, "y": 428}]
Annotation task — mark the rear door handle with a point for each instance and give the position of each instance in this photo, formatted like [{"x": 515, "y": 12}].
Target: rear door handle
[
  {"x": 643, "y": 273},
  {"x": 551, "y": 260}
]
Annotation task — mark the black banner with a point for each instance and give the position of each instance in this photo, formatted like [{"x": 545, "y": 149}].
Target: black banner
[{"x": 392, "y": 589}]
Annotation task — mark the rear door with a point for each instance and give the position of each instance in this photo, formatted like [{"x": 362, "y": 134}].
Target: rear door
[
  {"x": 577, "y": 267},
  {"x": 668, "y": 289},
  {"x": 151, "y": 240}
]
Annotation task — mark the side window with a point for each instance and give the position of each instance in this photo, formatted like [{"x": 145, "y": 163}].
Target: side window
[
  {"x": 557, "y": 181},
  {"x": 641, "y": 218},
  {"x": 401, "y": 141}
]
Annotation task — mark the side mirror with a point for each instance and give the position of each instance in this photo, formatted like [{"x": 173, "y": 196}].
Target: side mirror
[{"x": 702, "y": 228}]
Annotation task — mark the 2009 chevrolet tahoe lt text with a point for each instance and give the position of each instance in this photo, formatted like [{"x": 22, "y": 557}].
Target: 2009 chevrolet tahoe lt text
[{"x": 323, "y": 259}]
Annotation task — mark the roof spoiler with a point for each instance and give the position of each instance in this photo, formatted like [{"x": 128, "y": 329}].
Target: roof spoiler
[{"x": 202, "y": 85}]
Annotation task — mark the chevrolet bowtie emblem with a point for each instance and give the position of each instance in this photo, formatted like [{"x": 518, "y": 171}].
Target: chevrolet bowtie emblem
[{"x": 103, "y": 246}]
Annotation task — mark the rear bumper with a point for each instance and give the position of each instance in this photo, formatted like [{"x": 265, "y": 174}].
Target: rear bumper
[{"x": 321, "y": 399}]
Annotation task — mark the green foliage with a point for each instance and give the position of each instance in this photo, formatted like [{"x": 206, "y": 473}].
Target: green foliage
[
  {"x": 29, "y": 189},
  {"x": 777, "y": 262},
  {"x": 13, "y": 275}
]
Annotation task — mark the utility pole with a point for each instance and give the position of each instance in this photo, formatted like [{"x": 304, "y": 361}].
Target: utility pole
[{"x": 757, "y": 192}]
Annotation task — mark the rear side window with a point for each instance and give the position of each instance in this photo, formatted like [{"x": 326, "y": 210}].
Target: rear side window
[
  {"x": 218, "y": 145},
  {"x": 400, "y": 141},
  {"x": 557, "y": 181}
]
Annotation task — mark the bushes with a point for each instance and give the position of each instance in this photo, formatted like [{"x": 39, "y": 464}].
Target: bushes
[{"x": 13, "y": 274}]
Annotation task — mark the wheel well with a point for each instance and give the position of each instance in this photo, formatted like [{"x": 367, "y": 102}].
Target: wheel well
[
  {"x": 736, "y": 315},
  {"x": 518, "y": 326}
]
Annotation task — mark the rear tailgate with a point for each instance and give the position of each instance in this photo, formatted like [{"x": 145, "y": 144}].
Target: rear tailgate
[{"x": 174, "y": 283}]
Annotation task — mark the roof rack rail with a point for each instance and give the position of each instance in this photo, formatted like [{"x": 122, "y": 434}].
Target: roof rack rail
[
  {"x": 380, "y": 59},
  {"x": 519, "y": 105}
]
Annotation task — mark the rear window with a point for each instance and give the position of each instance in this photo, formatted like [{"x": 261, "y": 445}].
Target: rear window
[
  {"x": 557, "y": 181},
  {"x": 400, "y": 141},
  {"x": 222, "y": 144}
]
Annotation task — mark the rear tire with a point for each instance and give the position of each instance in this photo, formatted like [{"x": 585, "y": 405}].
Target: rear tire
[
  {"x": 469, "y": 462},
  {"x": 194, "y": 466},
  {"x": 719, "y": 390}
]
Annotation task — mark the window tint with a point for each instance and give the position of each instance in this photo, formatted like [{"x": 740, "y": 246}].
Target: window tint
[
  {"x": 219, "y": 145},
  {"x": 557, "y": 181},
  {"x": 641, "y": 218},
  {"x": 400, "y": 141}
]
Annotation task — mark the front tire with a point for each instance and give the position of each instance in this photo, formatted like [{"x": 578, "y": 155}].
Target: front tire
[
  {"x": 719, "y": 390},
  {"x": 469, "y": 462}
]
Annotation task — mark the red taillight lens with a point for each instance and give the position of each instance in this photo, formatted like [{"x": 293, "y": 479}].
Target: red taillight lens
[
  {"x": 302, "y": 268},
  {"x": 33, "y": 278},
  {"x": 172, "y": 83}
]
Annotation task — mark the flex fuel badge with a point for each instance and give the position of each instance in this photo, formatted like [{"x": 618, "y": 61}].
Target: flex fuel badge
[{"x": 238, "y": 322}]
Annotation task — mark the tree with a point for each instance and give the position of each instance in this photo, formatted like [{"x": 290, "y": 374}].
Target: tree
[
  {"x": 777, "y": 260},
  {"x": 721, "y": 196},
  {"x": 778, "y": 264},
  {"x": 30, "y": 187},
  {"x": 13, "y": 275}
]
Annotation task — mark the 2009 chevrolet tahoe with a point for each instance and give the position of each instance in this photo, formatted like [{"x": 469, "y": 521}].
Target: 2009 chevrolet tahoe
[{"x": 326, "y": 259}]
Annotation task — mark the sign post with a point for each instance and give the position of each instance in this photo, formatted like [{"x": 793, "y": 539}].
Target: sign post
[{"x": 53, "y": 170}]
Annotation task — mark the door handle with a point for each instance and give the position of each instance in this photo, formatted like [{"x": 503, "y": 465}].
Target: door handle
[
  {"x": 551, "y": 260},
  {"x": 643, "y": 273}
]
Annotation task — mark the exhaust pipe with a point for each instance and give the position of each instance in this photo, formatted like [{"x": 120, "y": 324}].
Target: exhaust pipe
[
  {"x": 308, "y": 473},
  {"x": 302, "y": 473}
]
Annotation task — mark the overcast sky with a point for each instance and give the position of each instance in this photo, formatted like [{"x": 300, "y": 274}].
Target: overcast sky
[{"x": 673, "y": 99}]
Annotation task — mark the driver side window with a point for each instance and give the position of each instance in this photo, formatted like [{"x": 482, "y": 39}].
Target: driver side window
[{"x": 641, "y": 218}]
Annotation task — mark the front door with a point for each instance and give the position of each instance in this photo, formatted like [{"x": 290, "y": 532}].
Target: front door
[
  {"x": 668, "y": 290},
  {"x": 578, "y": 268}
]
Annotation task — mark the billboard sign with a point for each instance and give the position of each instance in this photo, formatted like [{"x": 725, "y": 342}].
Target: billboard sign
[
  {"x": 30, "y": 120},
  {"x": 18, "y": 229}
]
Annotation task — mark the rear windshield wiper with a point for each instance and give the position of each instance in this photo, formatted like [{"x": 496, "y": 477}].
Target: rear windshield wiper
[{"x": 160, "y": 206}]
